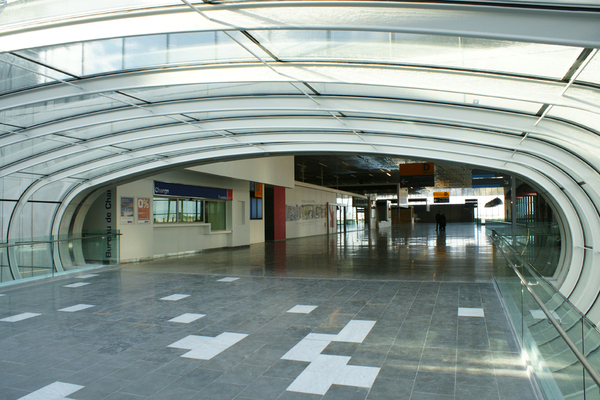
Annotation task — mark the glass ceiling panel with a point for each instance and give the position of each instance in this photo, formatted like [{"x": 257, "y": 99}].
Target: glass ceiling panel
[
  {"x": 96, "y": 131},
  {"x": 580, "y": 117},
  {"x": 427, "y": 50},
  {"x": 166, "y": 139},
  {"x": 17, "y": 74},
  {"x": 6, "y": 129},
  {"x": 15, "y": 11},
  {"x": 253, "y": 113},
  {"x": 136, "y": 52},
  {"x": 66, "y": 57},
  {"x": 70, "y": 161},
  {"x": 427, "y": 95},
  {"x": 113, "y": 167},
  {"x": 184, "y": 92},
  {"x": 54, "y": 191},
  {"x": 591, "y": 72},
  {"x": 38, "y": 113},
  {"x": 21, "y": 11},
  {"x": 21, "y": 150}
]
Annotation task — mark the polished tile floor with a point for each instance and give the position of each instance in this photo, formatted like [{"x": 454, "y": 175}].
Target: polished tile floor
[{"x": 396, "y": 314}]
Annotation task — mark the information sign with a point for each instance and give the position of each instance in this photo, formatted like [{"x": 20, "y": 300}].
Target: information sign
[
  {"x": 417, "y": 175},
  {"x": 181, "y": 190},
  {"x": 441, "y": 197}
]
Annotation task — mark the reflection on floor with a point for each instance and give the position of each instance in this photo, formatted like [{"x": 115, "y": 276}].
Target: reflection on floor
[
  {"x": 461, "y": 254},
  {"x": 365, "y": 316}
]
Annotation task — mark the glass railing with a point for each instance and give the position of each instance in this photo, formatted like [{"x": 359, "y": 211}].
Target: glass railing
[
  {"x": 538, "y": 243},
  {"x": 34, "y": 258},
  {"x": 561, "y": 344}
]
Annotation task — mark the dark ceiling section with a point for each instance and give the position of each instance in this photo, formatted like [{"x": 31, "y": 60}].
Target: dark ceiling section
[
  {"x": 358, "y": 174},
  {"x": 367, "y": 174}
]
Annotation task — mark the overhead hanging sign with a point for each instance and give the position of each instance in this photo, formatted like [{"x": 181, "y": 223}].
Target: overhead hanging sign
[
  {"x": 441, "y": 197},
  {"x": 417, "y": 175},
  {"x": 199, "y": 192},
  {"x": 481, "y": 179}
]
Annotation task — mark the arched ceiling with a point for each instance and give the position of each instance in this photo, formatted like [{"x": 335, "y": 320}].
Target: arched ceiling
[{"x": 92, "y": 92}]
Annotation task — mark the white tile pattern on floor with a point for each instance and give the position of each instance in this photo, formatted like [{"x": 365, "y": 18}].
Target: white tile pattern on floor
[
  {"x": 54, "y": 391},
  {"x": 77, "y": 307},
  {"x": 118, "y": 349},
  {"x": 206, "y": 347},
  {"x": 20, "y": 317},
  {"x": 301, "y": 309},
  {"x": 76, "y": 285},
  {"x": 326, "y": 370},
  {"x": 470, "y": 312},
  {"x": 175, "y": 297},
  {"x": 309, "y": 348},
  {"x": 187, "y": 318},
  {"x": 86, "y": 276},
  {"x": 228, "y": 279}
]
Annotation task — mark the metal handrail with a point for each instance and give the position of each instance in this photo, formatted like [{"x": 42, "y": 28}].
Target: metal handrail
[
  {"x": 5, "y": 245},
  {"x": 582, "y": 359}
]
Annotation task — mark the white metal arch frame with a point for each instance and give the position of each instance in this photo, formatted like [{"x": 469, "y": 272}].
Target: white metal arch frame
[{"x": 329, "y": 105}]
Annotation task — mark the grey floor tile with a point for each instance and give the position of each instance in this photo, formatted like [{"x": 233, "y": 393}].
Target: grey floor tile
[
  {"x": 476, "y": 376},
  {"x": 101, "y": 389},
  {"x": 8, "y": 379},
  {"x": 266, "y": 388},
  {"x": 171, "y": 393},
  {"x": 438, "y": 360},
  {"x": 441, "y": 338},
  {"x": 370, "y": 355},
  {"x": 390, "y": 389},
  {"x": 265, "y": 356},
  {"x": 220, "y": 391},
  {"x": 299, "y": 396},
  {"x": 180, "y": 366},
  {"x": 435, "y": 382},
  {"x": 515, "y": 388},
  {"x": 243, "y": 374},
  {"x": 35, "y": 382},
  {"x": 91, "y": 374},
  {"x": 149, "y": 385},
  {"x": 137, "y": 370},
  {"x": 341, "y": 349},
  {"x": 124, "y": 396},
  {"x": 399, "y": 369},
  {"x": 197, "y": 379},
  {"x": 472, "y": 341},
  {"x": 346, "y": 392},
  {"x": 13, "y": 394},
  {"x": 469, "y": 392},
  {"x": 128, "y": 333},
  {"x": 286, "y": 369}
]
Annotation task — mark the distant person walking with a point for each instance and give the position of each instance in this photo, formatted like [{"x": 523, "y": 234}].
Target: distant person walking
[
  {"x": 438, "y": 220},
  {"x": 442, "y": 222}
]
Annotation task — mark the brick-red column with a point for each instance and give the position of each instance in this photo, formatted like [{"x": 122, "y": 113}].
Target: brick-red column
[{"x": 279, "y": 212}]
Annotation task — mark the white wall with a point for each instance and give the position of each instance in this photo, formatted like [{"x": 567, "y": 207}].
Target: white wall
[
  {"x": 304, "y": 194},
  {"x": 143, "y": 241},
  {"x": 276, "y": 171},
  {"x": 149, "y": 240},
  {"x": 257, "y": 229}
]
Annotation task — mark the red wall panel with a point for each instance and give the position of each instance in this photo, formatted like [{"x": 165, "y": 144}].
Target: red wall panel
[{"x": 279, "y": 212}]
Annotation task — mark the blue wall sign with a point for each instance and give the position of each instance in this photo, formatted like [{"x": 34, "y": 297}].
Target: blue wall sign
[{"x": 199, "y": 192}]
